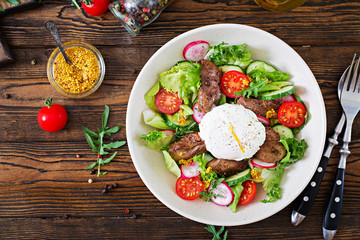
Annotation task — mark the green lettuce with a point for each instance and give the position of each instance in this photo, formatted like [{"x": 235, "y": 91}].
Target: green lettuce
[
  {"x": 155, "y": 119},
  {"x": 231, "y": 54},
  {"x": 183, "y": 80},
  {"x": 237, "y": 190},
  {"x": 157, "y": 140},
  {"x": 171, "y": 164},
  {"x": 150, "y": 96},
  {"x": 295, "y": 150}
]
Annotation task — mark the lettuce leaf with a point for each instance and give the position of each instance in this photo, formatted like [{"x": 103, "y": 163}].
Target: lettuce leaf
[
  {"x": 157, "y": 140},
  {"x": 183, "y": 80},
  {"x": 231, "y": 54},
  {"x": 237, "y": 190},
  {"x": 202, "y": 160},
  {"x": 150, "y": 96},
  {"x": 155, "y": 119},
  {"x": 171, "y": 164},
  {"x": 295, "y": 150}
]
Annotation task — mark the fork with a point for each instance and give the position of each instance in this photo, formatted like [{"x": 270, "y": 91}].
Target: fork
[{"x": 350, "y": 102}]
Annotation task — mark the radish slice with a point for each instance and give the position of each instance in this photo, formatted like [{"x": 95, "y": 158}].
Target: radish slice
[
  {"x": 226, "y": 194},
  {"x": 195, "y": 51},
  {"x": 197, "y": 115},
  {"x": 263, "y": 120},
  {"x": 261, "y": 164},
  {"x": 288, "y": 98},
  {"x": 190, "y": 170}
]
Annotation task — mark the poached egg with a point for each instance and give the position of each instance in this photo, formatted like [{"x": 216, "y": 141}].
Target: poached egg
[{"x": 232, "y": 132}]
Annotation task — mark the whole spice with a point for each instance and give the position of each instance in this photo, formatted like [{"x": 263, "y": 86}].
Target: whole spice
[
  {"x": 104, "y": 191},
  {"x": 90, "y": 180},
  {"x": 135, "y": 14},
  {"x": 104, "y": 130},
  {"x": 127, "y": 211},
  {"x": 115, "y": 185}
]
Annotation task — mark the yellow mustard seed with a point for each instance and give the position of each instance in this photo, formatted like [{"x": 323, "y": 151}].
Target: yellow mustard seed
[{"x": 79, "y": 77}]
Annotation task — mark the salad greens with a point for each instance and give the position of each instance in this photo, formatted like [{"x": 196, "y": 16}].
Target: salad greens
[
  {"x": 184, "y": 78},
  {"x": 295, "y": 150},
  {"x": 231, "y": 54},
  {"x": 216, "y": 234}
]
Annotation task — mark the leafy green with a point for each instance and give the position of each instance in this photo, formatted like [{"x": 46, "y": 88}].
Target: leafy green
[
  {"x": 99, "y": 140},
  {"x": 252, "y": 90},
  {"x": 231, "y": 54},
  {"x": 171, "y": 164},
  {"x": 155, "y": 119},
  {"x": 180, "y": 132},
  {"x": 211, "y": 176},
  {"x": 295, "y": 150},
  {"x": 237, "y": 190},
  {"x": 216, "y": 234},
  {"x": 207, "y": 195},
  {"x": 307, "y": 116},
  {"x": 157, "y": 140},
  {"x": 183, "y": 80},
  {"x": 150, "y": 96}
]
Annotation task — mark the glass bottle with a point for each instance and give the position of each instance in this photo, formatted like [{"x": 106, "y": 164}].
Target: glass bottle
[
  {"x": 279, "y": 5},
  {"x": 135, "y": 14}
]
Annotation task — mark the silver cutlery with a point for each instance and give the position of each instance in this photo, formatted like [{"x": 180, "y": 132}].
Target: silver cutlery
[
  {"x": 350, "y": 102},
  {"x": 305, "y": 200}
]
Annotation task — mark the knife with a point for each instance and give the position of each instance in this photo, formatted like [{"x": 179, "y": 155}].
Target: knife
[{"x": 305, "y": 200}]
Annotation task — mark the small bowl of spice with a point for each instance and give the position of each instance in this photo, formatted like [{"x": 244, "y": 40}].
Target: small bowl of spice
[{"x": 81, "y": 78}]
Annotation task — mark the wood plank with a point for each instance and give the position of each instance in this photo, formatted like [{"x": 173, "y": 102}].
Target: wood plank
[
  {"x": 304, "y": 25},
  {"x": 148, "y": 227}
]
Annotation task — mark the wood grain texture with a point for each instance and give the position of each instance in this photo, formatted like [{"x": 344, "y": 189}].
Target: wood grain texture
[{"x": 44, "y": 193}]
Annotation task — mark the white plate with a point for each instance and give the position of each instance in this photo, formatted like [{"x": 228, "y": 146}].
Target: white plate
[{"x": 150, "y": 164}]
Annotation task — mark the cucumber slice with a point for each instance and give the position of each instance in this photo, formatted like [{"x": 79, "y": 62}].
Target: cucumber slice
[
  {"x": 278, "y": 93},
  {"x": 230, "y": 67},
  {"x": 258, "y": 64},
  {"x": 283, "y": 131},
  {"x": 238, "y": 178},
  {"x": 185, "y": 64},
  {"x": 172, "y": 121}
]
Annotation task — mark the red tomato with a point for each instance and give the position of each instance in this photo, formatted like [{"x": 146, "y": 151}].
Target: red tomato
[
  {"x": 292, "y": 114},
  {"x": 248, "y": 194},
  {"x": 52, "y": 118},
  {"x": 95, "y": 7},
  {"x": 233, "y": 81},
  {"x": 189, "y": 188},
  {"x": 167, "y": 102}
]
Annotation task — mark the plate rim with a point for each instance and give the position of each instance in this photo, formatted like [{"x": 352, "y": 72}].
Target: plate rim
[{"x": 323, "y": 130}]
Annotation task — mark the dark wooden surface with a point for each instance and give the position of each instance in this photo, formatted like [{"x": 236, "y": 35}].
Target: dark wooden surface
[{"x": 44, "y": 192}]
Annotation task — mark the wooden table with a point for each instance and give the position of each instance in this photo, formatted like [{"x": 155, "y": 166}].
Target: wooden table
[{"x": 44, "y": 189}]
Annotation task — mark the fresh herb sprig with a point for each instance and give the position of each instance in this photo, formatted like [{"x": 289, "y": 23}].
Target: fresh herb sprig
[
  {"x": 99, "y": 140},
  {"x": 216, "y": 234}
]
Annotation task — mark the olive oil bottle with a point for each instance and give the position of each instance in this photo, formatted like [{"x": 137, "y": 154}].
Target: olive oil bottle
[{"x": 279, "y": 5}]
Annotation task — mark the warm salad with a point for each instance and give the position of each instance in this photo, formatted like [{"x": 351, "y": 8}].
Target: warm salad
[{"x": 225, "y": 124}]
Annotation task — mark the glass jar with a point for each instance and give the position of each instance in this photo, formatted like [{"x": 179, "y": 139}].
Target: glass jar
[{"x": 135, "y": 14}]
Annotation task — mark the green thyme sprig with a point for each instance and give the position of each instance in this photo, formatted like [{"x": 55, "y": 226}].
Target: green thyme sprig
[
  {"x": 97, "y": 144},
  {"x": 216, "y": 234}
]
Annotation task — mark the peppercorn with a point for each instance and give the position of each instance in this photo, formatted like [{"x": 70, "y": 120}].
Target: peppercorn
[
  {"x": 77, "y": 155},
  {"x": 92, "y": 171},
  {"x": 115, "y": 185},
  {"x": 104, "y": 191},
  {"x": 134, "y": 216},
  {"x": 109, "y": 187},
  {"x": 127, "y": 211},
  {"x": 7, "y": 96},
  {"x": 33, "y": 62},
  {"x": 90, "y": 180}
]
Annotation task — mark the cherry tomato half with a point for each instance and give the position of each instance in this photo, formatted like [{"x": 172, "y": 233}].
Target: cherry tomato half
[
  {"x": 189, "y": 188},
  {"x": 292, "y": 114},
  {"x": 52, "y": 118},
  {"x": 233, "y": 81},
  {"x": 248, "y": 194},
  {"x": 95, "y": 7},
  {"x": 167, "y": 102}
]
